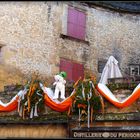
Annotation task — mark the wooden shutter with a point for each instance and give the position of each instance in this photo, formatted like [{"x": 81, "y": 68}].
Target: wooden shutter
[
  {"x": 72, "y": 22},
  {"x": 74, "y": 70},
  {"x": 66, "y": 66},
  {"x": 78, "y": 70},
  {"x": 81, "y": 25},
  {"x": 76, "y": 23}
]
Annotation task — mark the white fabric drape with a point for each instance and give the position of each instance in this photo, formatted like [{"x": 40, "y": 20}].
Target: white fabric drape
[{"x": 111, "y": 70}]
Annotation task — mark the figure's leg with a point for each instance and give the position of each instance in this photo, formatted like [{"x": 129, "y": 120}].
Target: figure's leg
[
  {"x": 56, "y": 94},
  {"x": 63, "y": 93}
]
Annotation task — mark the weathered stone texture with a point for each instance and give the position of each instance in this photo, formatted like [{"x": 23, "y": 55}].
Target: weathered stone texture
[
  {"x": 9, "y": 75},
  {"x": 31, "y": 32},
  {"x": 116, "y": 35}
]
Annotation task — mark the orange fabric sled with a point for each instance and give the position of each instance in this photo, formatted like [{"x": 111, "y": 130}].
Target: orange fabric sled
[
  {"x": 11, "y": 107},
  {"x": 103, "y": 90},
  {"x": 60, "y": 107}
]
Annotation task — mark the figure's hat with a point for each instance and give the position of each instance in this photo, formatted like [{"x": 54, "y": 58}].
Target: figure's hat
[{"x": 63, "y": 74}]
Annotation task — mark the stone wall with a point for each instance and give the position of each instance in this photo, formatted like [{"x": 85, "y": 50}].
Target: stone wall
[
  {"x": 31, "y": 34},
  {"x": 116, "y": 34}
]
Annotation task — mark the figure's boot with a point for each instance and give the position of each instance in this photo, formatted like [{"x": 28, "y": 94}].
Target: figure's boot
[
  {"x": 56, "y": 94},
  {"x": 63, "y": 93}
]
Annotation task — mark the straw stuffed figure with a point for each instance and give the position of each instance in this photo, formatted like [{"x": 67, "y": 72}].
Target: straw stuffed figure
[{"x": 60, "y": 85}]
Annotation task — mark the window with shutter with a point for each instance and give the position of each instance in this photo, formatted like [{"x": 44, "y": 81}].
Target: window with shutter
[
  {"x": 74, "y": 70},
  {"x": 66, "y": 66},
  {"x": 78, "y": 70},
  {"x": 76, "y": 25}
]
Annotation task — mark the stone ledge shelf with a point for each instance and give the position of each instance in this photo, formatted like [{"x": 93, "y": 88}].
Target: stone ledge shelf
[
  {"x": 43, "y": 120},
  {"x": 72, "y": 38}
]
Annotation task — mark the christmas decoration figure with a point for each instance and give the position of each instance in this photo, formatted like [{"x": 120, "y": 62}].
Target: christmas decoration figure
[{"x": 60, "y": 85}]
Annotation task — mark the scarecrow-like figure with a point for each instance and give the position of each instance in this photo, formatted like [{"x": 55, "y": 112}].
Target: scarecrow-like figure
[{"x": 60, "y": 85}]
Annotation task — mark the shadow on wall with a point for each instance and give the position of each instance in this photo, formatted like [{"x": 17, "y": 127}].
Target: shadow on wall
[{"x": 10, "y": 75}]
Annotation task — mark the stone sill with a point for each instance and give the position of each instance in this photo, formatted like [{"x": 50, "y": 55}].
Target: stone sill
[
  {"x": 72, "y": 38},
  {"x": 63, "y": 119},
  {"x": 114, "y": 117},
  {"x": 42, "y": 120}
]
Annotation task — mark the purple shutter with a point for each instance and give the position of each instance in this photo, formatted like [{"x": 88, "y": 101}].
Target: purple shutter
[
  {"x": 81, "y": 19},
  {"x": 72, "y": 22},
  {"x": 72, "y": 15},
  {"x": 66, "y": 66},
  {"x": 71, "y": 30},
  {"x": 78, "y": 70},
  {"x": 74, "y": 70},
  {"x": 76, "y": 23},
  {"x": 81, "y": 33},
  {"x": 81, "y": 25}
]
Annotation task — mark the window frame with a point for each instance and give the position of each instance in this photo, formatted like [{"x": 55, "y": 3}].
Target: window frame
[
  {"x": 132, "y": 68},
  {"x": 63, "y": 33}
]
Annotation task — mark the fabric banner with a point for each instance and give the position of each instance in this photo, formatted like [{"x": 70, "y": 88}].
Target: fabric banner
[
  {"x": 56, "y": 104},
  {"x": 103, "y": 90}
]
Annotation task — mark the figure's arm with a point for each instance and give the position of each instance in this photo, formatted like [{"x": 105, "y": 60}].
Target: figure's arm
[
  {"x": 54, "y": 83},
  {"x": 64, "y": 81}
]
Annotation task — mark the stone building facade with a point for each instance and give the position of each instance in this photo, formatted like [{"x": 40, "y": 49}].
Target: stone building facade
[{"x": 32, "y": 39}]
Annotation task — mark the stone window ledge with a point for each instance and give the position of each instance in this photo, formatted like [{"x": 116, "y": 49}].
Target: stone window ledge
[{"x": 72, "y": 38}]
